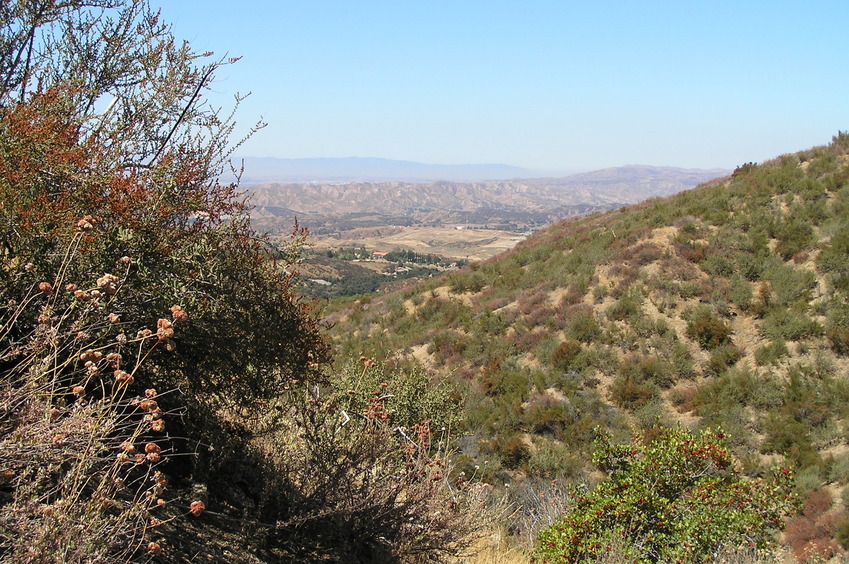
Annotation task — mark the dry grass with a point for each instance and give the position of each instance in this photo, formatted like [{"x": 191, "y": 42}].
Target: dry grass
[{"x": 450, "y": 242}]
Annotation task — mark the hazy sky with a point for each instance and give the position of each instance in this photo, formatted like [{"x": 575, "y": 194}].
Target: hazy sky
[{"x": 549, "y": 85}]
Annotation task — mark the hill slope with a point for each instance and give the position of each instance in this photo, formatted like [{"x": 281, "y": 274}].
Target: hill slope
[{"x": 722, "y": 306}]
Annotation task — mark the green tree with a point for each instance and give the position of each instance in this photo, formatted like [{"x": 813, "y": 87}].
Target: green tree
[{"x": 677, "y": 498}]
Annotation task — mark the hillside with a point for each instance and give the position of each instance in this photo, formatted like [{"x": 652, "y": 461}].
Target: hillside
[{"x": 723, "y": 306}]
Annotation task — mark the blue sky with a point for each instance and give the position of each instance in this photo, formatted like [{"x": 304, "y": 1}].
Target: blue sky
[{"x": 557, "y": 86}]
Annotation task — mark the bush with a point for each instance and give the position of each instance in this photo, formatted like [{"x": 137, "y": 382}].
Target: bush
[
  {"x": 771, "y": 353},
  {"x": 708, "y": 330},
  {"x": 364, "y": 464},
  {"x": 81, "y": 454},
  {"x": 781, "y": 323},
  {"x": 678, "y": 498}
]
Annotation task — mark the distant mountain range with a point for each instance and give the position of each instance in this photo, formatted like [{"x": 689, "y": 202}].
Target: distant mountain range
[
  {"x": 354, "y": 169},
  {"x": 532, "y": 200}
]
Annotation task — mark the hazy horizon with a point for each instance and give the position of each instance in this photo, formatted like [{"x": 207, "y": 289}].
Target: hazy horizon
[{"x": 547, "y": 85}]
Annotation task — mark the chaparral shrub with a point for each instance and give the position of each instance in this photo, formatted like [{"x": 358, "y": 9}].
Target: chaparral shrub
[{"x": 678, "y": 498}]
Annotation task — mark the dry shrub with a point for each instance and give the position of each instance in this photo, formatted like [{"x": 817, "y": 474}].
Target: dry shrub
[
  {"x": 817, "y": 503},
  {"x": 367, "y": 477},
  {"x": 80, "y": 441},
  {"x": 811, "y": 535},
  {"x": 528, "y": 303}
]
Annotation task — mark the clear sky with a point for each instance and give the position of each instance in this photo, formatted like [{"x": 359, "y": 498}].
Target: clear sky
[{"x": 550, "y": 85}]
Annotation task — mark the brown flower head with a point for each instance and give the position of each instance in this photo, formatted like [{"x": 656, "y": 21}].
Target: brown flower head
[
  {"x": 154, "y": 546},
  {"x": 86, "y": 223},
  {"x": 45, "y": 287},
  {"x": 178, "y": 313},
  {"x": 108, "y": 283},
  {"x": 150, "y": 393},
  {"x": 164, "y": 329},
  {"x": 114, "y": 359},
  {"x": 157, "y": 425},
  {"x": 123, "y": 378},
  {"x": 196, "y": 508},
  {"x": 148, "y": 404},
  {"x": 90, "y": 355}
]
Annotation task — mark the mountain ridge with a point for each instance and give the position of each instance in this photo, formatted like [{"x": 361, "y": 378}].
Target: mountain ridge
[{"x": 537, "y": 200}]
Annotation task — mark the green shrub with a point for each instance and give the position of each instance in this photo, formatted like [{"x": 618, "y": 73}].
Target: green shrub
[
  {"x": 708, "y": 330},
  {"x": 677, "y": 499},
  {"x": 781, "y": 323},
  {"x": 583, "y": 327},
  {"x": 627, "y": 305},
  {"x": 771, "y": 353},
  {"x": 565, "y": 354},
  {"x": 741, "y": 292},
  {"x": 794, "y": 236},
  {"x": 630, "y": 392}
]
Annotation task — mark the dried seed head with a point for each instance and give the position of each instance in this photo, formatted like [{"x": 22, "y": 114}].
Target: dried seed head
[
  {"x": 86, "y": 223},
  {"x": 152, "y": 447},
  {"x": 91, "y": 356},
  {"x": 45, "y": 287},
  {"x": 150, "y": 393},
  {"x": 160, "y": 479},
  {"x": 148, "y": 404},
  {"x": 114, "y": 359},
  {"x": 108, "y": 283},
  {"x": 153, "y": 457},
  {"x": 164, "y": 329},
  {"x": 144, "y": 333},
  {"x": 123, "y": 378},
  {"x": 78, "y": 391},
  {"x": 196, "y": 508},
  {"x": 29, "y": 267},
  {"x": 154, "y": 546},
  {"x": 125, "y": 260},
  {"x": 54, "y": 413},
  {"x": 178, "y": 313},
  {"x": 157, "y": 425},
  {"x": 113, "y": 318}
]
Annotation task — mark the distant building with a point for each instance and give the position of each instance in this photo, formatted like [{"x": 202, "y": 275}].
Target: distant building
[{"x": 379, "y": 255}]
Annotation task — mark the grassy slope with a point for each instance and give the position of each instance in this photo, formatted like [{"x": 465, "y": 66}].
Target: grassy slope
[{"x": 724, "y": 305}]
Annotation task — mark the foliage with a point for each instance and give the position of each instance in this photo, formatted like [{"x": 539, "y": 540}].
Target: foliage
[
  {"x": 677, "y": 498},
  {"x": 81, "y": 446},
  {"x": 707, "y": 329},
  {"x": 110, "y": 217},
  {"x": 366, "y": 469}
]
